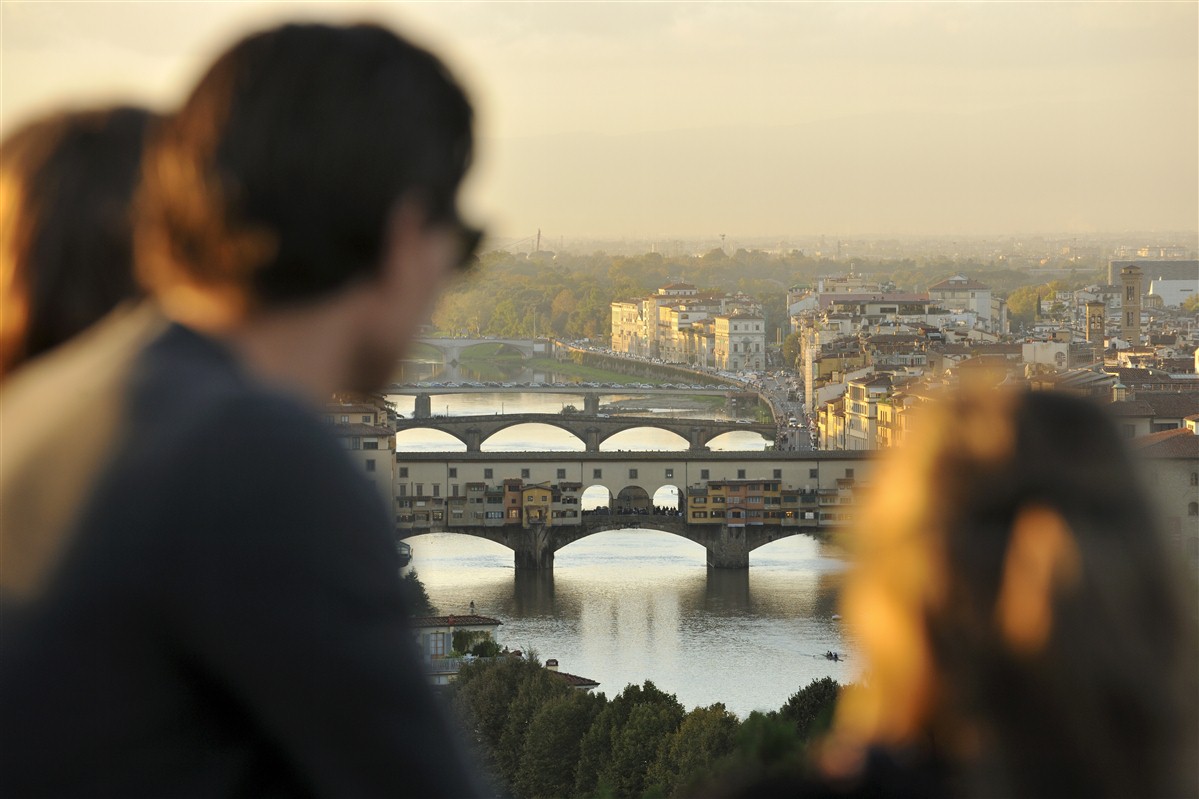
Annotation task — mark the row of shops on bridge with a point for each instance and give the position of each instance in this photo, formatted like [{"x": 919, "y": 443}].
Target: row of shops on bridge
[{"x": 734, "y": 503}]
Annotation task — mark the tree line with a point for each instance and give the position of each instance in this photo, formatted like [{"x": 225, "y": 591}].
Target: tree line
[
  {"x": 540, "y": 738},
  {"x": 570, "y": 295}
]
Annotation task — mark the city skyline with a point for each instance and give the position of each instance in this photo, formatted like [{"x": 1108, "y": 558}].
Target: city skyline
[{"x": 689, "y": 120}]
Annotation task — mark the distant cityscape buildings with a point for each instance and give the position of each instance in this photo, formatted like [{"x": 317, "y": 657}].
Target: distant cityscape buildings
[{"x": 681, "y": 325}]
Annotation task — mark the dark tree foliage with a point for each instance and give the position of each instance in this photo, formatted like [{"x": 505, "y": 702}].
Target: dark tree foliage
[
  {"x": 692, "y": 753},
  {"x": 811, "y": 708},
  {"x": 607, "y": 748},
  {"x": 551, "y": 748},
  {"x": 534, "y": 690},
  {"x": 416, "y": 598}
]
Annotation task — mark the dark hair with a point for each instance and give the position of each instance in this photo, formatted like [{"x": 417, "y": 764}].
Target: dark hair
[
  {"x": 69, "y": 229},
  {"x": 1107, "y": 707},
  {"x": 277, "y": 176}
]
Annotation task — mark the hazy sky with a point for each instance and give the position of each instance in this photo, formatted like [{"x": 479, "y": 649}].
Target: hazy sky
[{"x": 686, "y": 119}]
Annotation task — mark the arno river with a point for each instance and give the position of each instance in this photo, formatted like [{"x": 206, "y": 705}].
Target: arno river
[{"x": 632, "y": 605}]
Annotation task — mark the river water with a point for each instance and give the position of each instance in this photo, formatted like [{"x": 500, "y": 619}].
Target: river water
[{"x": 627, "y": 606}]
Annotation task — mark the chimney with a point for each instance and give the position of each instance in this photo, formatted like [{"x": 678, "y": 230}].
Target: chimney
[{"x": 552, "y": 664}]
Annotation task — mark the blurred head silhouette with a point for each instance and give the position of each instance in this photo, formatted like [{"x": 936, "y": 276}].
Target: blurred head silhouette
[
  {"x": 66, "y": 238},
  {"x": 1021, "y": 619}
]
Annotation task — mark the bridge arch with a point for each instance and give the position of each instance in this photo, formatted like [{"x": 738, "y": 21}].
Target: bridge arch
[
  {"x": 670, "y": 496},
  {"x": 489, "y": 443},
  {"x": 632, "y": 498},
  {"x": 446, "y": 441},
  {"x": 632, "y": 440},
  {"x": 747, "y": 436}
]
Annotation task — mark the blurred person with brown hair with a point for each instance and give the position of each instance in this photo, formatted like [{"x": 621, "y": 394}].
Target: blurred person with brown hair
[
  {"x": 1024, "y": 627},
  {"x": 67, "y": 183},
  {"x": 200, "y": 591}
]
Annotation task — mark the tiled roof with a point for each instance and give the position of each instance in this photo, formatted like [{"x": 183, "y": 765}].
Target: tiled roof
[
  {"x": 574, "y": 680},
  {"x": 1170, "y": 404},
  {"x": 1177, "y": 443},
  {"x": 465, "y": 620}
]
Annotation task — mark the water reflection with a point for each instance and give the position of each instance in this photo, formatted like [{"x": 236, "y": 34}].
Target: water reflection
[{"x": 629, "y": 605}]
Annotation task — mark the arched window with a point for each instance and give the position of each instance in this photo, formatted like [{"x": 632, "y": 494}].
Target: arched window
[
  {"x": 1195, "y": 478},
  {"x": 1193, "y": 509}
]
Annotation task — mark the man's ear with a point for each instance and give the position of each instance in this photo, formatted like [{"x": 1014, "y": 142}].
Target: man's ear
[{"x": 1042, "y": 559}]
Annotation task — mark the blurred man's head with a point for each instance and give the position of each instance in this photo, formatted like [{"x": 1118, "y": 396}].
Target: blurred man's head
[{"x": 311, "y": 161}]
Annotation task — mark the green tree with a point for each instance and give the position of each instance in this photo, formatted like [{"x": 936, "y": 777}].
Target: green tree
[
  {"x": 535, "y": 688},
  {"x": 482, "y": 695},
  {"x": 551, "y": 748},
  {"x": 811, "y": 708},
  {"x": 614, "y": 746},
  {"x": 766, "y": 741},
  {"x": 790, "y": 350},
  {"x": 1191, "y": 304},
  {"x": 705, "y": 737},
  {"x": 416, "y": 598}
]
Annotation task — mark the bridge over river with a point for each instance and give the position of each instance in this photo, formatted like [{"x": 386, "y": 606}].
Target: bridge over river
[
  {"x": 591, "y": 430},
  {"x": 480, "y": 494}
]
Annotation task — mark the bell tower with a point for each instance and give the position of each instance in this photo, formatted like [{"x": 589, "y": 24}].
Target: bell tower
[
  {"x": 1130, "y": 312},
  {"x": 1096, "y": 326}
]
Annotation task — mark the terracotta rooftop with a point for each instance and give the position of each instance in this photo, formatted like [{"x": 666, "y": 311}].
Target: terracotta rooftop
[
  {"x": 1163, "y": 404},
  {"x": 464, "y": 620},
  {"x": 574, "y": 680},
  {"x": 1177, "y": 443}
]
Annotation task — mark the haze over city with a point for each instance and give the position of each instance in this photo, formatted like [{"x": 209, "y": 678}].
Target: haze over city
[{"x": 692, "y": 120}]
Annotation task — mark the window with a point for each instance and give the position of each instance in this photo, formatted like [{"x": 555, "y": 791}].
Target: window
[
  {"x": 420, "y": 489},
  {"x": 699, "y": 500},
  {"x": 437, "y": 489},
  {"x": 437, "y": 645},
  {"x": 403, "y": 490},
  {"x": 669, "y": 473},
  {"x": 370, "y": 464},
  {"x": 849, "y": 472},
  {"x": 1128, "y": 430},
  {"x": 453, "y": 471},
  {"x": 1193, "y": 509},
  {"x": 487, "y": 474},
  {"x": 699, "y": 514},
  {"x": 740, "y": 474},
  {"x": 1195, "y": 478},
  {"x": 561, "y": 474},
  {"x": 403, "y": 471},
  {"x": 345, "y": 420},
  {"x": 454, "y": 490},
  {"x": 524, "y": 474},
  {"x": 495, "y": 514},
  {"x": 778, "y": 474},
  {"x": 366, "y": 419},
  {"x": 703, "y": 474},
  {"x": 813, "y": 473},
  {"x": 370, "y": 443},
  {"x": 597, "y": 473},
  {"x": 632, "y": 473}
]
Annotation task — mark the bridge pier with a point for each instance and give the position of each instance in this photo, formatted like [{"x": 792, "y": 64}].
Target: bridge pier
[
  {"x": 695, "y": 440},
  {"x": 591, "y": 404},
  {"x": 729, "y": 549},
  {"x": 424, "y": 407},
  {"x": 533, "y": 549},
  {"x": 474, "y": 439},
  {"x": 591, "y": 439}
]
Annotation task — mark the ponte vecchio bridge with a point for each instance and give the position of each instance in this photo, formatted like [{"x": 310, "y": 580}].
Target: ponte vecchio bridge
[
  {"x": 729, "y": 502},
  {"x": 592, "y": 430}
]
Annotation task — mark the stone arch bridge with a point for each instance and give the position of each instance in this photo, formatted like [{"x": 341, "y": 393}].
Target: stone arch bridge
[
  {"x": 727, "y": 546},
  {"x": 591, "y": 430}
]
